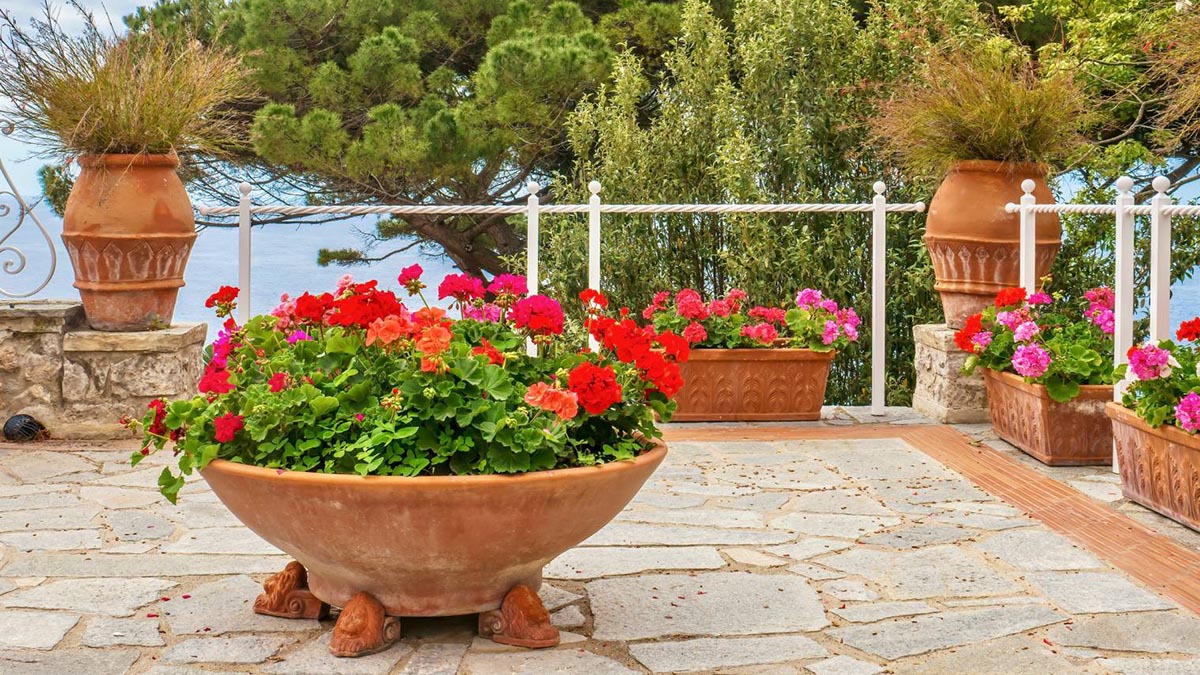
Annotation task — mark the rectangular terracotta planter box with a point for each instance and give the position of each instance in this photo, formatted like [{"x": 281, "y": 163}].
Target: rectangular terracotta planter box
[
  {"x": 753, "y": 385},
  {"x": 1075, "y": 433},
  {"x": 1160, "y": 466}
]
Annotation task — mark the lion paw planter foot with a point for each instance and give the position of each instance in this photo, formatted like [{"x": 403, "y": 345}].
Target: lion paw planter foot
[
  {"x": 286, "y": 595},
  {"x": 521, "y": 621},
  {"x": 363, "y": 628}
]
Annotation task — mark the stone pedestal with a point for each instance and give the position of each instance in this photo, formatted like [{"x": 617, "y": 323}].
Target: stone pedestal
[
  {"x": 942, "y": 392},
  {"x": 79, "y": 382}
]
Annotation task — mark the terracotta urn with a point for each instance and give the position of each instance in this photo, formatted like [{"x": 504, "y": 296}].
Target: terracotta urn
[
  {"x": 129, "y": 229},
  {"x": 974, "y": 242},
  {"x": 430, "y": 545},
  {"x": 1075, "y": 433},
  {"x": 776, "y": 384},
  {"x": 1160, "y": 466}
]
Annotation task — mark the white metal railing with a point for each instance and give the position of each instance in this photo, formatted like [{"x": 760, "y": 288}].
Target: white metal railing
[
  {"x": 533, "y": 209},
  {"x": 14, "y": 259},
  {"x": 1160, "y": 209}
]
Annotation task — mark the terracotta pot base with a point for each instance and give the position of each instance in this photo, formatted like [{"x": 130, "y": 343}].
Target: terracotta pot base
[
  {"x": 777, "y": 384},
  {"x": 363, "y": 626},
  {"x": 1075, "y": 433},
  {"x": 429, "y": 545}
]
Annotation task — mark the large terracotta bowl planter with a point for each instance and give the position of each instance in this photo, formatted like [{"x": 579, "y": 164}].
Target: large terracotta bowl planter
[
  {"x": 974, "y": 242},
  {"x": 1160, "y": 466},
  {"x": 129, "y": 229},
  {"x": 776, "y": 384},
  {"x": 1074, "y": 433},
  {"x": 427, "y": 546}
]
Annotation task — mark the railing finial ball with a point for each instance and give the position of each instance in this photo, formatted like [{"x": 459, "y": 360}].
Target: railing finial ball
[
  {"x": 533, "y": 187},
  {"x": 1160, "y": 183},
  {"x": 1027, "y": 186},
  {"x": 594, "y": 187},
  {"x": 1124, "y": 184},
  {"x": 244, "y": 188},
  {"x": 879, "y": 187}
]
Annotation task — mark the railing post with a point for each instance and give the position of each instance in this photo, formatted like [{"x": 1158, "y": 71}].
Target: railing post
[
  {"x": 1123, "y": 289},
  {"x": 244, "y": 253},
  {"x": 593, "y": 245},
  {"x": 533, "y": 234},
  {"x": 1028, "y": 238},
  {"x": 878, "y": 298},
  {"x": 1160, "y": 261}
]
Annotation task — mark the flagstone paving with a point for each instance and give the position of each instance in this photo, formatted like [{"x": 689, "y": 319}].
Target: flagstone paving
[{"x": 834, "y": 556}]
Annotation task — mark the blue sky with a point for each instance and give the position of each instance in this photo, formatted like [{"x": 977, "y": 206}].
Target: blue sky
[{"x": 16, "y": 155}]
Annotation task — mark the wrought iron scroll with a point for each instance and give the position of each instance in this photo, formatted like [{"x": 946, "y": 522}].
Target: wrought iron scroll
[{"x": 12, "y": 259}]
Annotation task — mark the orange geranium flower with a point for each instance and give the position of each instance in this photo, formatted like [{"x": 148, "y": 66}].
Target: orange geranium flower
[
  {"x": 428, "y": 316},
  {"x": 434, "y": 340},
  {"x": 563, "y": 403},
  {"x": 386, "y": 330}
]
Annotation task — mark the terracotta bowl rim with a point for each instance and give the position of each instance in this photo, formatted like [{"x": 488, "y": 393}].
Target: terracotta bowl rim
[
  {"x": 1086, "y": 390},
  {"x": 654, "y": 455}
]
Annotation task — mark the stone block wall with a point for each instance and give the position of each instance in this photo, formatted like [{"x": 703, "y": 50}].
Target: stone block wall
[
  {"x": 942, "y": 392},
  {"x": 79, "y": 382}
]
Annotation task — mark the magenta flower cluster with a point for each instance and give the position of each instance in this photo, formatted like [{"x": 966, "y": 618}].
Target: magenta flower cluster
[
  {"x": 1187, "y": 413},
  {"x": 1031, "y": 360},
  {"x": 844, "y": 322},
  {"x": 1149, "y": 362},
  {"x": 1100, "y": 309}
]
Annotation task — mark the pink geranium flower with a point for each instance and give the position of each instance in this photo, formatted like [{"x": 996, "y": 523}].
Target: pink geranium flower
[
  {"x": 1187, "y": 413},
  {"x": 1031, "y": 360}
]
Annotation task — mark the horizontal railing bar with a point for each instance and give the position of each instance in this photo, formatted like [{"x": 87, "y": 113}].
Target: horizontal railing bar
[
  {"x": 1106, "y": 209},
  {"x": 556, "y": 208}
]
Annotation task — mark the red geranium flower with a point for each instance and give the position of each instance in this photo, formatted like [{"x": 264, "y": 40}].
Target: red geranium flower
[
  {"x": 538, "y": 314},
  {"x": 1010, "y": 296},
  {"x": 278, "y": 382},
  {"x": 591, "y": 296},
  {"x": 311, "y": 307},
  {"x": 596, "y": 387},
  {"x": 225, "y": 295},
  {"x": 508, "y": 284},
  {"x": 964, "y": 337},
  {"x": 158, "y": 425},
  {"x": 1189, "y": 330},
  {"x": 485, "y": 348},
  {"x": 226, "y": 427},
  {"x": 410, "y": 278},
  {"x": 676, "y": 346},
  {"x": 461, "y": 287},
  {"x": 215, "y": 381}
]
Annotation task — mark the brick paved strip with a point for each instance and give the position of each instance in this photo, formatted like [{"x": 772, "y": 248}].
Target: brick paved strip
[{"x": 1152, "y": 558}]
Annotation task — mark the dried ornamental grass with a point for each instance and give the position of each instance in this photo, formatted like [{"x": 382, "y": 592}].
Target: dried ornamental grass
[
  {"x": 984, "y": 105},
  {"x": 98, "y": 92}
]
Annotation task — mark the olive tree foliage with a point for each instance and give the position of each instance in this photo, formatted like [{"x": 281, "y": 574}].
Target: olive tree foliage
[
  {"x": 769, "y": 109},
  {"x": 416, "y": 102}
]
